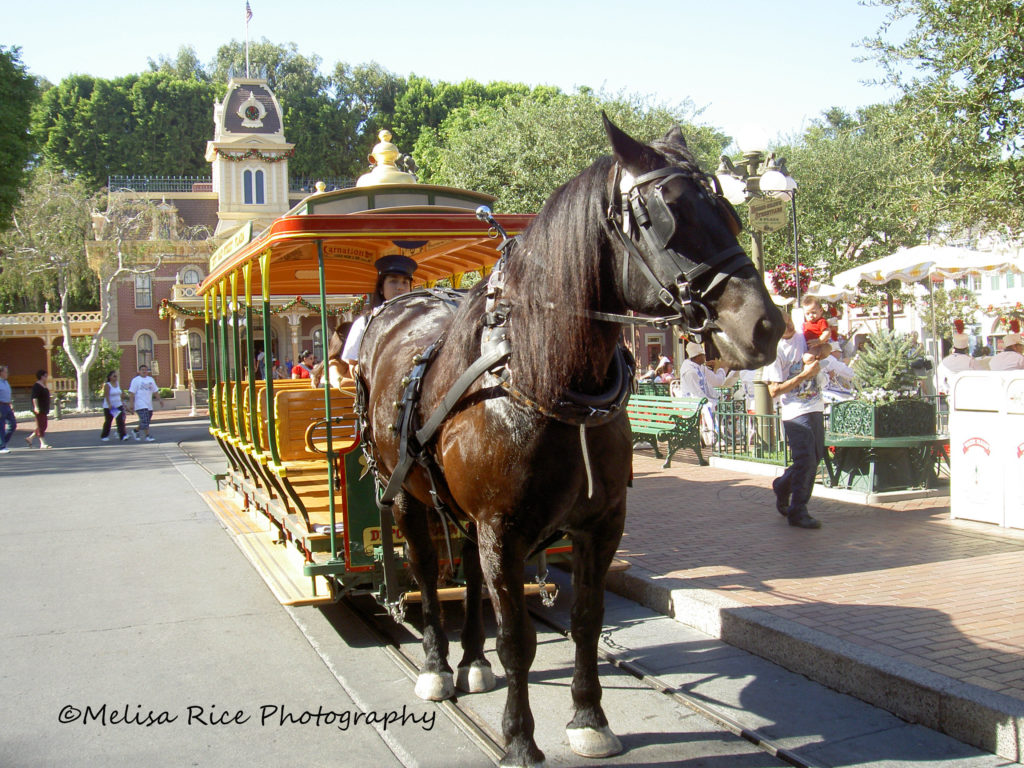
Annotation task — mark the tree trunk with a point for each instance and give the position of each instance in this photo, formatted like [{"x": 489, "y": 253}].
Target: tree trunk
[{"x": 83, "y": 390}]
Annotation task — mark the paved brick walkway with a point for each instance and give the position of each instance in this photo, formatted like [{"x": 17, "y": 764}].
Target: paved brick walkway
[{"x": 900, "y": 579}]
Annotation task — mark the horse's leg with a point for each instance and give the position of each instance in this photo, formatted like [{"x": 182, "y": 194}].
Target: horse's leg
[
  {"x": 435, "y": 679},
  {"x": 588, "y": 731},
  {"x": 502, "y": 565},
  {"x": 474, "y": 674}
]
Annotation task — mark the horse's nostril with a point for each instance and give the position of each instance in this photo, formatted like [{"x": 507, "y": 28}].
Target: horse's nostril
[{"x": 767, "y": 332}]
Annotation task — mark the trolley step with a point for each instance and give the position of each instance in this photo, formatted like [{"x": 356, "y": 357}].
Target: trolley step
[{"x": 270, "y": 560}]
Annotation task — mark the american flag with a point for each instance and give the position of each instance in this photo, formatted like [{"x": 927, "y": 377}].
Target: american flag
[{"x": 248, "y": 12}]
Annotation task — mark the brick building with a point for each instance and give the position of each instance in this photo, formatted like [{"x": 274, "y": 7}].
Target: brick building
[{"x": 156, "y": 317}]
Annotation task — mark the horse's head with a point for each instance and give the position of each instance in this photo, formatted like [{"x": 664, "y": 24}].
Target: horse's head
[{"x": 679, "y": 253}]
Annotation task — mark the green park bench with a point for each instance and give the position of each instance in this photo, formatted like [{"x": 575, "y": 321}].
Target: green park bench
[{"x": 673, "y": 420}]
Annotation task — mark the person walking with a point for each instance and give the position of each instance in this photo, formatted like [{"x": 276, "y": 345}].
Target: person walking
[
  {"x": 40, "y": 409},
  {"x": 795, "y": 378},
  {"x": 142, "y": 390},
  {"x": 7, "y": 421},
  {"x": 113, "y": 408}
]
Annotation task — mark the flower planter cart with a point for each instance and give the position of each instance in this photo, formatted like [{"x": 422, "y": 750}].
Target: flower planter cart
[{"x": 877, "y": 447}]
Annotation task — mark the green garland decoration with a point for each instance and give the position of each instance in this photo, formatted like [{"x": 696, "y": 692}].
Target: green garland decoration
[
  {"x": 254, "y": 154},
  {"x": 169, "y": 308}
]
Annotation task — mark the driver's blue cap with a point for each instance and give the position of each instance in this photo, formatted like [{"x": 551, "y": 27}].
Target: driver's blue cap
[{"x": 395, "y": 264}]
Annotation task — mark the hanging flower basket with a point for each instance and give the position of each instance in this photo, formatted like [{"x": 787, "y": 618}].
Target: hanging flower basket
[{"x": 783, "y": 279}]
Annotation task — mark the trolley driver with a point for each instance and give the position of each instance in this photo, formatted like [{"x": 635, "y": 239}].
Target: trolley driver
[{"x": 394, "y": 277}]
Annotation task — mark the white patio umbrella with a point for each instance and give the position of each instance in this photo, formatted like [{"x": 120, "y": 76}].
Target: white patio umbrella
[
  {"x": 830, "y": 292},
  {"x": 912, "y": 265}
]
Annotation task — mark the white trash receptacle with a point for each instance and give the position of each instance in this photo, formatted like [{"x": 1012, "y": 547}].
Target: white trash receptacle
[
  {"x": 1013, "y": 459},
  {"x": 975, "y": 447}
]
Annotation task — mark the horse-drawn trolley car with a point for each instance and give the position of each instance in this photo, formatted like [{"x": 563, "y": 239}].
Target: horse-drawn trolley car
[{"x": 297, "y": 495}]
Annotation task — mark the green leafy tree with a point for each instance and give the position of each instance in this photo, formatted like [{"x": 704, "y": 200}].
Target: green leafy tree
[
  {"x": 368, "y": 94},
  {"x": 149, "y": 124},
  {"x": 961, "y": 68},
  {"x": 18, "y": 92},
  {"x": 108, "y": 358},
  {"x": 42, "y": 255},
  {"x": 185, "y": 66},
  {"x": 522, "y": 149},
  {"x": 863, "y": 192}
]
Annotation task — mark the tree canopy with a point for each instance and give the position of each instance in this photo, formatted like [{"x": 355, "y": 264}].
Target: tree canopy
[
  {"x": 18, "y": 92},
  {"x": 521, "y": 149},
  {"x": 961, "y": 70},
  {"x": 150, "y": 124}
]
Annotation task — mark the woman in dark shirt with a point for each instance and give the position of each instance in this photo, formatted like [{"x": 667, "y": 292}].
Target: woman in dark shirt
[{"x": 41, "y": 408}]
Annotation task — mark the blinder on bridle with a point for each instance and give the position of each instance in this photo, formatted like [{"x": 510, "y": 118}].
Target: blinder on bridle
[{"x": 657, "y": 226}]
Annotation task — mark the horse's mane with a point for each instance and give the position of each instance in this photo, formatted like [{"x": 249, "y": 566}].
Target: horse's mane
[
  {"x": 553, "y": 279},
  {"x": 557, "y": 274}
]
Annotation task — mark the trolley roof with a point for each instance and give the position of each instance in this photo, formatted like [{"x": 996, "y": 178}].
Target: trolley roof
[{"x": 436, "y": 226}]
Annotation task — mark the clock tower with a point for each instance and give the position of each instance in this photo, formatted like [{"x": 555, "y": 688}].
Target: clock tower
[{"x": 249, "y": 156}]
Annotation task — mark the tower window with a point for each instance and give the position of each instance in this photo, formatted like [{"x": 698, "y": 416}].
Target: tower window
[{"x": 253, "y": 188}]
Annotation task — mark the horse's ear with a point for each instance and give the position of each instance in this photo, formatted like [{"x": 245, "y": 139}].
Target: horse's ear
[
  {"x": 675, "y": 136},
  {"x": 628, "y": 151}
]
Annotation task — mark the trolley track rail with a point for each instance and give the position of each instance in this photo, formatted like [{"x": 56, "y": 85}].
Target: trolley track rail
[
  {"x": 461, "y": 712},
  {"x": 480, "y": 732}
]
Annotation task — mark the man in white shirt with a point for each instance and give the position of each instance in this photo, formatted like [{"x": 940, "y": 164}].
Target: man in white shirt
[
  {"x": 697, "y": 380},
  {"x": 796, "y": 379},
  {"x": 141, "y": 393},
  {"x": 1010, "y": 359},
  {"x": 956, "y": 361}
]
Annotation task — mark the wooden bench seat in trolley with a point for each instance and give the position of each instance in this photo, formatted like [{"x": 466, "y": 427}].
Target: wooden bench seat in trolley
[{"x": 672, "y": 420}]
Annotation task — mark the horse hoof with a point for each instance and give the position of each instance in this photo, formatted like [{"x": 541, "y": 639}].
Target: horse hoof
[
  {"x": 477, "y": 677},
  {"x": 435, "y": 686},
  {"x": 593, "y": 742}
]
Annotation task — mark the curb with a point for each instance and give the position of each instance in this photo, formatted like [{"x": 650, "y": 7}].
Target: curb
[{"x": 974, "y": 715}]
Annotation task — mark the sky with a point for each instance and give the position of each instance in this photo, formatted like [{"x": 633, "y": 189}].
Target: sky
[{"x": 760, "y": 70}]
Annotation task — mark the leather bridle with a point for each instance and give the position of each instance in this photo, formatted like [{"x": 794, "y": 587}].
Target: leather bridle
[{"x": 630, "y": 213}]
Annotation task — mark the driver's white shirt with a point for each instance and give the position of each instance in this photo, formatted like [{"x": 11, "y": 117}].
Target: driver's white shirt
[{"x": 350, "y": 352}]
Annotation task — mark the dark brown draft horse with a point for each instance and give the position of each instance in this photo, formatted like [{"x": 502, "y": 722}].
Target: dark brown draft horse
[{"x": 539, "y": 443}]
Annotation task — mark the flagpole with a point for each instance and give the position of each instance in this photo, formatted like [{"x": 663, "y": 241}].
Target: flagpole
[{"x": 248, "y": 16}]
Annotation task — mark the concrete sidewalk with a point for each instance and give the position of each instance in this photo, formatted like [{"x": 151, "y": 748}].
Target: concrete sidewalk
[{"x": 893, "y": 603}]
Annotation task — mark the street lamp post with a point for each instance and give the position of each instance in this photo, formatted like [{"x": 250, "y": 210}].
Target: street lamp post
[
  {"x": 759, "y": 176},
  {"x": 183, "y": 343}
]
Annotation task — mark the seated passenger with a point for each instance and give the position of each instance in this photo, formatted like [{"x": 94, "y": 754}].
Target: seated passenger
[
  {"x": 304, "y": 368},
  {"x": 338, "y": 372}
]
